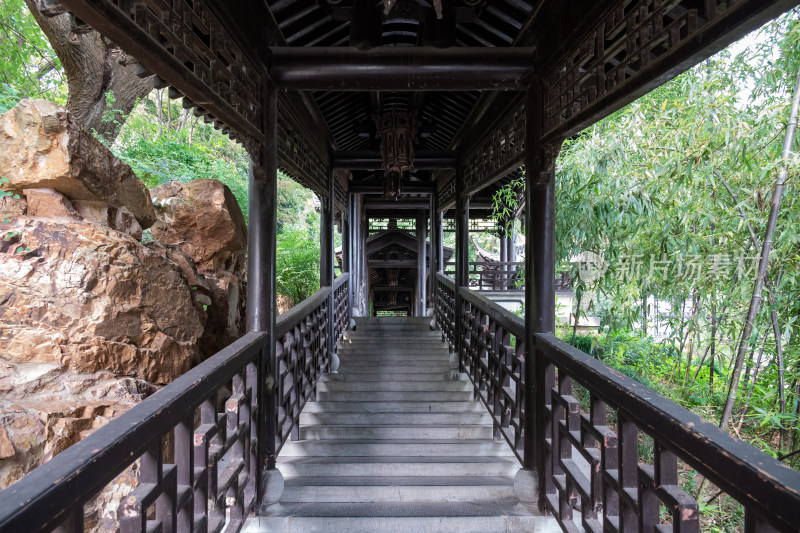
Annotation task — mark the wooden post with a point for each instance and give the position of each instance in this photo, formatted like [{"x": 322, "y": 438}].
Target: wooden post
[
  {"x": 326, "y": 259},
  {"x": 439, "y": 240},
  {"x": 261, "y": 312},
  {"x": 501, "y": 282},
  {"x": 421, "y": 253},
  {"x": 351, "y": 254},
  {"x": 433, "y": 247},
  {"x": 462, "y": 260},
  {"x": 539, "y": 288},
  {"x": 346, "y": 241}
]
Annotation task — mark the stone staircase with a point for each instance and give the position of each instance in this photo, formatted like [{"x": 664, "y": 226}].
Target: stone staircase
[{"x": 395, "y": 443}]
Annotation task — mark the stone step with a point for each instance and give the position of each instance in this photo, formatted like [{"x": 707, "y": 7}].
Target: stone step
[
  {"x": 410, "y": 448},
  {"x": 378, "y": 334},
  {"x": 394, "y": 352},
  {"x": 397, "y": 466},
  {"x": 353, "y": 337},
  {"x": 394, "y": 407},
  {"x": 394, "y": 396},
  {"x": 381, "y": 432},
  {"x": 394, "y": 369},
  {"x": 375, "y": 321},
  {"x": 378, "y": 374},
  {"x": 407, "y": 363},
  {"x": 405, "y": 524},
  {"x": 397, "y": 489},
  {"x": 351, "y": 386},
  {"x": 403, "y": 419},
  {"x": 394, "y": 523}
]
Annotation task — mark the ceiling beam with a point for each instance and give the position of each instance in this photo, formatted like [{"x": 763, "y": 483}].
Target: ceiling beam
[
  {"x": 401, "y": 69},
  {"x": 413, "y": 188},
  {"x": 423, "y": 160},
  {"x": 394, "y": 204}
]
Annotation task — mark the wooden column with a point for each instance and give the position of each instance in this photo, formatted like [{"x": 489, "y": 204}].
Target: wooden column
[
  {"x": 462, "y": 259},
  {"x": 433, "y": 247},
  {"x": 346, "y": 241},
  {"x": 421, "y": 265},
  {"x": 539, "y": 287},
  {"x": 351, "y": 244},
  {"x": 439, "y": 240},
  {"x": 502, "y": 279},
  {"x": 326, "y": 260},
  {"x": 261, "y": 312},
  {"x": 326, "y": 236}
]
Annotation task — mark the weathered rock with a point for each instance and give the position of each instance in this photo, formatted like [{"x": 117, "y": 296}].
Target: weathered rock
[
  {"x": 95, "y": 211},
  {"x": 90, "y": 298},
  {"x": 12, "y": 207},
  {"x": 125, "y": 222},
  {"x": 48, "y": 203},
  {"x": 44, "y": 409},
  {"x": 42, "y": 146},
  {"x": 283, "y": 303},
  {"x": 204, "y": 220},
  {"x": 226, "y": 321}
]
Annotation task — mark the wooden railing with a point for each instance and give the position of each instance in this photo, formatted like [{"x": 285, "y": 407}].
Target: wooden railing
[
  {"x": 612, "y": 447},
  {"x": 199, "y": 467},
  {"x": 503, "y": 276},
  {"x": 491, "y": 355},
  {"x": 189, "y": 489},
  {"x": 494, "y": 276}
]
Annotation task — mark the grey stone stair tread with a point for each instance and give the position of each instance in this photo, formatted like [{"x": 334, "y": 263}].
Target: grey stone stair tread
[
  {"x": 402, "y": 441},
  {"x": 361, "y": 377},
  {"x": 400, "y": 459},
  {"x": 408, "y": 509},
  {"x": 401, "y": 481},
  {"x": 440, "y": 385},
  {"x": 394, "y": 407},
  {"x": 395, "y": 443}
]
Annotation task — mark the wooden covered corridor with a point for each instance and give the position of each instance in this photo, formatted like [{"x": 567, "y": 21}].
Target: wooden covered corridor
[{"x": 416, "y": 110}]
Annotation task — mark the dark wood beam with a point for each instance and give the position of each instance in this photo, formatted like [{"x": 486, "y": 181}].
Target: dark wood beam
[
  {"x": 423, "y": 160},
  {"x": 401, "y": 69},
  {"x": 392, "y": 263},
  {"x": 371, "y": 205},
  {"x": 412, "y": 188}
]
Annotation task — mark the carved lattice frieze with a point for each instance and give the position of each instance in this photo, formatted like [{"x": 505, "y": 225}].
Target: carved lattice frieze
[
  {"x": 298, "y": 156},
  {"x": 446, "y": 195},
  {"x": 497, "y": 153},
  {"x": 188, "y": 48},
  {"x": 618, "y": 57}
]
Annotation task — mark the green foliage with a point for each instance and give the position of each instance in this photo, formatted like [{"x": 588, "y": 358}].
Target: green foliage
[
  {"x": 30, "y": 68},
  {"x": 297, "y": 263},
  {"x": 657, "y": 201}
]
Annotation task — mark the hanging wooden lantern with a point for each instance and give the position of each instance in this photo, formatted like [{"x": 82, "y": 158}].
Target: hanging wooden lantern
[{"x": 397, "y": 131}]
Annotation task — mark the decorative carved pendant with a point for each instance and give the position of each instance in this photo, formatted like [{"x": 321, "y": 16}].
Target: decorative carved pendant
[{"x": 397, "y": 131}]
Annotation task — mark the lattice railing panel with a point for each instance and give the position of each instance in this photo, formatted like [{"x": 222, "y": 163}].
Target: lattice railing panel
[
  {"x": 493, "y": 356},
  {"x": 614, "y": 450},
  {"x": 446, "y": 309}
]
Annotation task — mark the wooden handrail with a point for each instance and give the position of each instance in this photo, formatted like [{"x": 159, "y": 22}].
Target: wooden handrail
[
  {"x": 762, "y": 484},
  {"x": 513, "y": 323},
  {"x": 55, "y": 492},
  {"x": 293, "y": 316}
]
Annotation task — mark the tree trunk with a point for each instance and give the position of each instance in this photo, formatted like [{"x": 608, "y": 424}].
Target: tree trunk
[
  {"x": 102, "y": 91},
  {"x": 766, "y": 248}
]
